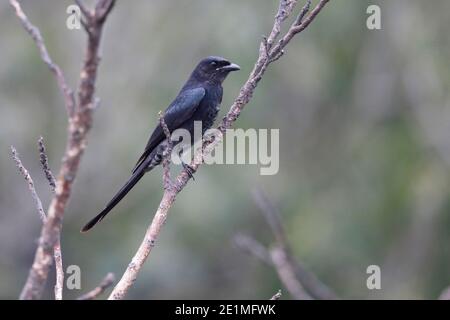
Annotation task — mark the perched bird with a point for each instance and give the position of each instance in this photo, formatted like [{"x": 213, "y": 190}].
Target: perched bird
[{"x": 198, "y": 100}]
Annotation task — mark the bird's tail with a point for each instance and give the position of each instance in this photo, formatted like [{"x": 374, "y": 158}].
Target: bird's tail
[{"x": 135, "y": 177}]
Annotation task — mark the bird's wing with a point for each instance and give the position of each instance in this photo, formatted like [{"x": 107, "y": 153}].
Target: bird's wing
[{"x": 180, "y": 110}]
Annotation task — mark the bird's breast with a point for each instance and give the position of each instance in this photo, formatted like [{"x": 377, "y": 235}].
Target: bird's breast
[{"x": 210, "y": 107}]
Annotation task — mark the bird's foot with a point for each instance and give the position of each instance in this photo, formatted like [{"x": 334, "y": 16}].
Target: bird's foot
[{"x": 190, "y": 171}]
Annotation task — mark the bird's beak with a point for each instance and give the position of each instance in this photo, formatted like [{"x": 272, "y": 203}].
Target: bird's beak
[{"x": 231, "y": 67}]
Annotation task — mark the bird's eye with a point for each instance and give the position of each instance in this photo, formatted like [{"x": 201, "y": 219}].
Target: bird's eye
[{"x": 214, "y": 63}]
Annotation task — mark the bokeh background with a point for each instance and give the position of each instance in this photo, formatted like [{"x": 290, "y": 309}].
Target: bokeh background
[{"x": 364, "y": 119}]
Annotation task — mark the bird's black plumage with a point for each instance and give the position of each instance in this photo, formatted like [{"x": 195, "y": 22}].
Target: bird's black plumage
[{"x": 198, "y": 100}]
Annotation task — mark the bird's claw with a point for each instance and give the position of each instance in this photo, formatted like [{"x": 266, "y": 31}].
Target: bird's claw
[{"x": 190, "y": 171}]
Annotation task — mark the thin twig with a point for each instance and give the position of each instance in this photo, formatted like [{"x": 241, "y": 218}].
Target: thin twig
[
  {"x": 286, "y": 260},
  {"x": 45, "y": 166},
  {"x": 292, "y": 273},
  {"x": 276, "y": 296},
  {"x": 105, "y": 284},
  {"x": 286, "y": 273},
  {"x": 34, "y": 32},
  {"x": 303, "y": 12},
  {"x": 272, "y": 216},
  {"x": 275, "y": 258},
  {"x": 57, "y": 254},
  {"x": 245, "y": 95},
  {"x": 86, "y": 19},
  {"x": 24, "y": 172},
  {"x": 253, "y": 247},
  {"x": 304, "y": 23},
  {"x": 285, "y": 9},
  {"x": 102, "y": 9},
  {"x": 84, "y": 10},
  {"x": 57, "y": 247}
]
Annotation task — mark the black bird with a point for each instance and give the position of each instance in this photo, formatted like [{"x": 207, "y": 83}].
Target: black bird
[{"x": 198, "y": 100}]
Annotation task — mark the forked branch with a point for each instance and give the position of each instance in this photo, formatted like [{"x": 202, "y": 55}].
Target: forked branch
[{"x": 80, "y": 114}]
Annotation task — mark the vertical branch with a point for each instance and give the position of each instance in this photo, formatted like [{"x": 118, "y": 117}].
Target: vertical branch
[
  {"x": 57, "y": 255},
  {"x": 301, "y": 283},
  {"x": 276, "y": 258},
  {"x": 45, "y": 166},
  {"x": 272, "y": 216},
  {"x": 80, "y": 122},
  {"x": 287, "y": 275}
]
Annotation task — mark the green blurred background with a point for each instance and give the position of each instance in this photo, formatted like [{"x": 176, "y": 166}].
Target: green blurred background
[{"x": 364, "y": 119}]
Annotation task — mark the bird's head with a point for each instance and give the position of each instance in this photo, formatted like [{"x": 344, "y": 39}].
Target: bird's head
[{"x": 214, "y": 69}]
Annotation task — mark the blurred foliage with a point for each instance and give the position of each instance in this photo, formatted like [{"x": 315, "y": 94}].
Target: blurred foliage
[{"x": 364, "y": 120}]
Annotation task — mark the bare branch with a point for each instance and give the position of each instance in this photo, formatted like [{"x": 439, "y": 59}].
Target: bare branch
[
  {"x": 276, "y": 296},
  {"x": 59, "y": 285},
  {"x": 285, "y": 9},
  {"x": 84, "y": 10},
  {"x": 303, "y": 12},
  {"x": 301, "y": 24},
  {"x": 286, "y": 261},
  {"x": 80, "y": 122},
  {"x": 102, "y": 9},
  {"x": 35, "y": 34},
  {"x": 105, "y": 284},
  {"x": 272, "y": 216},
  {"x": 57, "y": 248},
  {"x": 87, "y": 16},
  {"x": 24, "y": 172},
  {"x": 287, "y": 275},
  {"x": 253, "y": 247},
  {"x": 45, "y": 166},
  {"x": 297, "y": 279},
  {"x": 276, "y": 258},
  {"x": 57, "y": 254}
]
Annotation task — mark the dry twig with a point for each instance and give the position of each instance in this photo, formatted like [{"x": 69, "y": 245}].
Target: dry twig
[
  {"x": 105, "y": 284},
  {"x": 301, "y": 283},
  {"x": 23, "y": 171},
  {"x": 253, "y": 247},
  {"x": 276, "y": 296},
  {"x": 57, "y": 247},
  {"x": 45, "y": 166},
  {"x": 286, "y": 273}
]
